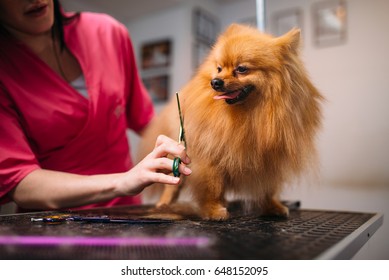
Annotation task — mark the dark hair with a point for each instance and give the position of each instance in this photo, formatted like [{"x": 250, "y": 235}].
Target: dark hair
[{"x": 59, "y": 20}]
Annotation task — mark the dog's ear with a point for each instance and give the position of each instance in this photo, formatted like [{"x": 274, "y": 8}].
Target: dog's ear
[
  {"x": 235, "y": 28},
  {"x": 290, "y": 40}
]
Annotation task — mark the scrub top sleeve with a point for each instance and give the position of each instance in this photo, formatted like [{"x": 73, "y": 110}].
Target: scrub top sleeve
[
  {"x": 139, "y": 106},
  {"x": 16, "y": 157}
]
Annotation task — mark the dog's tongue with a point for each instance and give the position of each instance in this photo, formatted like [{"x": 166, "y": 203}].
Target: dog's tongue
[{"x": 230, "y": 95}]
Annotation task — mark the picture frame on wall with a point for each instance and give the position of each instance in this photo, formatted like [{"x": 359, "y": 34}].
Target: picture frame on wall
[
  {"x": 205, "y": 32},
  {"x": 156, "y": 59},
  {"x": 201, "y": 50},
  {"x": 156, "y": 54},
  {"x": 205, "y": 26},
  {"x": 284, "y": 21},
  {"x": 157, "y": 87},
  {"x": 329, "y": 23}
]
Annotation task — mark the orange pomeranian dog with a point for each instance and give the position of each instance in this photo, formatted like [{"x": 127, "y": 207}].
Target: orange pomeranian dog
[{"x": 250, "y": 119}]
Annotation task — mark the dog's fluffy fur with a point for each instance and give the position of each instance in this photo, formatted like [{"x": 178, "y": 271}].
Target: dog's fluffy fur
[{"x": 250, "y": 118}]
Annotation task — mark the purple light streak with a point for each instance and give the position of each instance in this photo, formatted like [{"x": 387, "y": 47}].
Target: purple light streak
[{"x": 104, "y": 241}]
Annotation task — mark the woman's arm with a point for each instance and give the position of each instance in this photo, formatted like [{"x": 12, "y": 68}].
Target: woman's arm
[{"x": 45, "y": 189}]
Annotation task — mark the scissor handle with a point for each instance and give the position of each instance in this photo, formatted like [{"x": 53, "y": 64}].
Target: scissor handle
[{"x": 176, "y": 164}]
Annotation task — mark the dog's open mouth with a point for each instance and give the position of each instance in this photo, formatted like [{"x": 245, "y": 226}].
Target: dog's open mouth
[{"x": 235, "y": 96}]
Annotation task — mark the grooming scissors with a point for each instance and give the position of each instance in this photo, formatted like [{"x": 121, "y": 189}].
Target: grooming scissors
[{"x": 181, "y": 139}]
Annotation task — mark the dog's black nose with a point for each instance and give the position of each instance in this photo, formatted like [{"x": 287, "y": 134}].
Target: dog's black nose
[{"x": 217, "y": 84}]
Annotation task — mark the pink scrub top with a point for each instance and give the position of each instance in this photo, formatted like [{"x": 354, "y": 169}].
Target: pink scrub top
[{"x": 45, "y": 123}]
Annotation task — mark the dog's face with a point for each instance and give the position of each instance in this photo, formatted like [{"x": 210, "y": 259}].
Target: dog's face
[
  {"x": 246, "y": 62},
  {"x": 229, "y": 85}
]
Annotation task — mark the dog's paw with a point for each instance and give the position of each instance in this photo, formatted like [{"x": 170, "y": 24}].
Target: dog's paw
[
  {"x": 161, "y": 205},
  {"x": 276, "y": 209},
  {"x": 218, "y": 213}
]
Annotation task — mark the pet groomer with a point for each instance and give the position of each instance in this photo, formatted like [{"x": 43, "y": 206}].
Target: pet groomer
[{"x": 69, "y": 89}]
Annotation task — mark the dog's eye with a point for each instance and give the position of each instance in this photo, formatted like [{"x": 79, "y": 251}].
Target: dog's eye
[
  {"x": 241, "y": 69},
  {"x": 219, "y": 69}
]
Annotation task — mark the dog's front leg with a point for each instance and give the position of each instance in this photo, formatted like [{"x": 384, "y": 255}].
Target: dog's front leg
[
  {"x": 170, "y": 195},
  {"x": 208, "y": 190},
  {"x": 273, "y": 207}
]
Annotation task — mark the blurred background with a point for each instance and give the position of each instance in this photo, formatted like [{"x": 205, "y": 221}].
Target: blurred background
[{"x": 345, "y": 50}]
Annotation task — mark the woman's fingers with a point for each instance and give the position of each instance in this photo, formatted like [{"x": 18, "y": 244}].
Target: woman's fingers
[
  {"x": 165, "y": 165},
  {"x": 164, "y": 179},
  {"x": 156, "y": 167},
  {"x": 163, "y": 139},
  {"x": 166, "y": 146}
]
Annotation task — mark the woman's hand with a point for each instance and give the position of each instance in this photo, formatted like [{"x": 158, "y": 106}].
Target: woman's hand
[
  {"x": 156, "y": 167},
  {"x": 66, "y": 190}
]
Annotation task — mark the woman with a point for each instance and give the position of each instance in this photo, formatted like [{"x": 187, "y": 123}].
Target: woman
[{"x": 69, "y": 88}]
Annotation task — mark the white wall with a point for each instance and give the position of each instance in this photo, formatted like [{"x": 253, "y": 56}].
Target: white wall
[
  {"x": 172, "y": 24},
  {"x": 354, "y": 143},
  {"x": 243, "y": 11}
]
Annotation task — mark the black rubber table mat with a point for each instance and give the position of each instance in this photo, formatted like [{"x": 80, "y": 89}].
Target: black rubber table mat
[{"x": 304, "y": 235}]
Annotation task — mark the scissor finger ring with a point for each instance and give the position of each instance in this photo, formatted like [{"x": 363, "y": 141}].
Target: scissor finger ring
[{"x": 176, "y": 164}]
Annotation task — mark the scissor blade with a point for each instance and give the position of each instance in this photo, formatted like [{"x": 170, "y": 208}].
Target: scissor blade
[{"x": 181, "y": 136}]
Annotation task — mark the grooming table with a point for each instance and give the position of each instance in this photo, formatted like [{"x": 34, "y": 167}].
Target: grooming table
[{"x": 306, "y": 234}]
